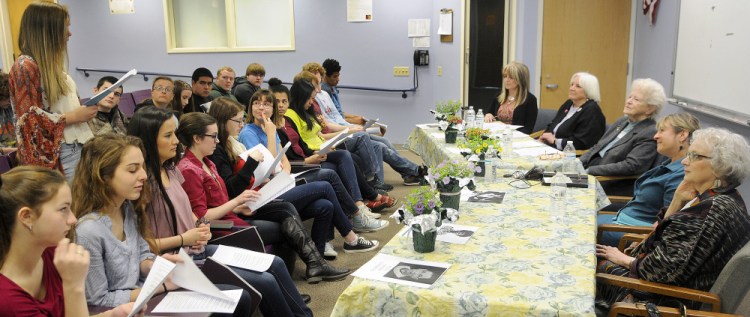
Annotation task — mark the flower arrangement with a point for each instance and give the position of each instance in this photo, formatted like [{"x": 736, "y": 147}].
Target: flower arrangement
[
  {"x": 451, "y": 175},
  {"x": 454, "y": 120},
  {"x": 448, "y": 107},
  {"x": 476, "y": 133},
  {"x": 480, "y": 145},
  {"x": 422, "y": 207}
]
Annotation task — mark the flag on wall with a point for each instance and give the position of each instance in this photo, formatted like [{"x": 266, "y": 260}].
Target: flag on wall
[{"x": 649, "y": 10}]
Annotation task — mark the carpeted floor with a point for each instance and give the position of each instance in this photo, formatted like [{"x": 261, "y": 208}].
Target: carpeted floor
[{"x": 325, "y": 294}]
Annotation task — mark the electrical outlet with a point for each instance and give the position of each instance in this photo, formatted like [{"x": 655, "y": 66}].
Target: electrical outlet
[
  {"x": 400, "y": 71},
  {"x": 440, "y": 70}
]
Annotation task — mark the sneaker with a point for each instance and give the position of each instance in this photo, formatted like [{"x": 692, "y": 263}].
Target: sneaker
[
  {"x": 413, "y": 180},
  {"x": 329, "y": 253},
  {"x": 388, "y": 200},
  {"x": 362, "y": 223},
  {"x": 376, "y": 205},
  {"x": 361, "y": 245},
  {"x": 383, "y": 186},
  {"x": 364, "y": 210}
]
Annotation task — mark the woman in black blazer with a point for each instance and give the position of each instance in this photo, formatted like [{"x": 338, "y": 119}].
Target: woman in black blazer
[
  {"x": 514, "y": 104},
  {"x": 579, "y": 119}
]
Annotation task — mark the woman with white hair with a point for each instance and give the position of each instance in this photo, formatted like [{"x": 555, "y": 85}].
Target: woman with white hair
[
  {"x": 703, "y": 227},
  {"x": 579, "y": 119},
  {"x": 628, "y": 147}
]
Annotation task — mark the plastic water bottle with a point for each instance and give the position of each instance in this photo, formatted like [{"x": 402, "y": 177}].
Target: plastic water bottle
[
  {"x": 469, "y": 118},
  {"x": 489, "y": 163},
  {"x": 569, "y": 163},
  {"x": 479, "y": 119},
  {"x": 507, "y": 142},
  {"x": 559, "y": 187}
]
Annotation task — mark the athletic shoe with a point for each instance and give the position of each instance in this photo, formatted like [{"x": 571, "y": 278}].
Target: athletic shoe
[
  {"x": 413, "y": 180},
  {"x": 376, "y": 205},
  {"x": 364, "y": 210},
  {"x": 329, "y": 253},
  {"x": 383, "y": 186},
  {"x": 361, "y": 245},
  {"x": 362, "y": 223}
]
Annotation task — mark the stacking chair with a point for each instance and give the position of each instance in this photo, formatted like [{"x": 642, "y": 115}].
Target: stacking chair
[{"x": 729, "y": 296}]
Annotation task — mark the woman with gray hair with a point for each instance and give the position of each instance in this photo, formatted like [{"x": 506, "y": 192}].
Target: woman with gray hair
[
  {"x": 579, "y": 119},
  {"x": 628, "y": 147},
  {"x": 703, "y": 227}
]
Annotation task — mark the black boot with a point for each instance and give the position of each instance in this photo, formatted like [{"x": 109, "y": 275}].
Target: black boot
[{"x": 317, "y": 267}]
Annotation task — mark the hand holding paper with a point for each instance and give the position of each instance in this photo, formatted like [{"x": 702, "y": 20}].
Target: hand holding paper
[{"x": 104, "y": 93}]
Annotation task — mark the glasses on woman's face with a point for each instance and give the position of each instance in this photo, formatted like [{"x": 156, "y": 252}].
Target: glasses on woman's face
[
  {"x": 259, "y": 104},
  {"x": 237, "y": 121},
  {"x": 215, "y": 136},
  {"x": 694, "y": 157}
]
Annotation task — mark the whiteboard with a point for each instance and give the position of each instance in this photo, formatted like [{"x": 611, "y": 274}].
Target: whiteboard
[{"x": 712, "y": 59}]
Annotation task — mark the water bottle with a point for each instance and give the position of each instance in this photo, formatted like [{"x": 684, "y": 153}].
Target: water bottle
[
  {"x": 489, "y": 163},
  {"x": 507, "y": 142},
  {"x": 479, "y": 119},
  {"x": 559, "y": 187},
  {"x": 569, "y": 163},
  {"x": 469, "y": 118}
]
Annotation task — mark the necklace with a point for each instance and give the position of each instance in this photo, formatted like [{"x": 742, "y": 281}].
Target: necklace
[{"x": 511, "y": 98}]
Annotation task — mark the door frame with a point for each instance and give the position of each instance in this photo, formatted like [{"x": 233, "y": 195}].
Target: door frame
[
  {"x": 537, "y": 84},
  {"x": 6, "y": 47},
  {"x": 509, "y": 42}
]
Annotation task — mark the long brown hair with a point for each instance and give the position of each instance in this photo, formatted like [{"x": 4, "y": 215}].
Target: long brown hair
[
  {"x": 43, "y": 36},
  {"x": 223, "y": 109},
  {"x": 99, "y": 160},
  {"x": 24, "y": 186},
  {"x": 520, "y": 73}
]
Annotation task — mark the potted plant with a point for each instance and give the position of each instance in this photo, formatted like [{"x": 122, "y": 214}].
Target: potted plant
[
  {"x": 446, "y": 108},
  {"x": 422, "y": 212},
  {"x": 478, "y": 142},
  {"x": 449, "y": 177},
  {"x": 451, "y": 128}
]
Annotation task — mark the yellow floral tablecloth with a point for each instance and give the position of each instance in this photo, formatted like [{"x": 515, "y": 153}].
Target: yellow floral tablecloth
[{"x": 526, "y": 259}]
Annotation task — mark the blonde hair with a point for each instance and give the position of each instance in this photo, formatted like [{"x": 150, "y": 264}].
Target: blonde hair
[
  {"x": 314, "y": 67},
  {"x": 520, "y": 73},
  {"x": 224, "y": 68},
  {"x": 43, "y": 36},
  {"x": 681, "y": 121},
  {"x": 307, "y": 75}
]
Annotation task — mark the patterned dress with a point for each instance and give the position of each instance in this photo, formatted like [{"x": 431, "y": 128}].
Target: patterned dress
[
  {"x": 688, "y": 249},
  {"x": 39, "y": 131}
]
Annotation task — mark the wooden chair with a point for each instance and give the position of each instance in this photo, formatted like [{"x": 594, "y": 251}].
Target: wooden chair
[{"x": 730, "y": 294}]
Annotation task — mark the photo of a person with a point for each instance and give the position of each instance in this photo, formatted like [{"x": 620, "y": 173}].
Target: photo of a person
[
  {"x": 487, "y": 197},
  {"x": 415, "y": 273},
  {"x": 445, "y": 229}
]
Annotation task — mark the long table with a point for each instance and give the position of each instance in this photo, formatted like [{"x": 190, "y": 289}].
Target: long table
[{"x": 526, "y": 259}]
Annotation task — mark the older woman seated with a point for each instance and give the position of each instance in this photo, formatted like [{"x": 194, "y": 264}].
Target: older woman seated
[
  {"x": 579, "y": 119},
  {"x": 627, "y": 148},
  {"x": 704, "y": 226},
  {"x": 655, "y": 188}
]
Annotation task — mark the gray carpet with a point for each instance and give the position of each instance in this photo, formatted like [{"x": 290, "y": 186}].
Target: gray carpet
[{"x": 325, "y": 294}]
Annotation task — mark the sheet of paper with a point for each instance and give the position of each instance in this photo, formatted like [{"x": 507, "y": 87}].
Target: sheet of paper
[
  {"x": 333, "y": 142},
  {"x": 188, "y": 276},
  {"x": 242, "y": 258},
  {"x": 419, "y": 27},
  {"x": 358, "y": 10},
  {"x": 427, "y": 125},
  {"x": 370, "y": 122},
  {"x": 194, "y": 302},
  {"x": 104, "y": 93},
  {"x": 499, "y": 126},
  {"x": 159, "y": 271},
  {"x": 268, "y": 166},
  {"x": 404, "y": 271},
  {"x": 421, "y": 42},
  {"x": 487, "y": 197},
  {"x": 446, "y": 23},
  {"x": 280, "y": 184},
  {"x": 457, "y": 234},
  {"x": 528, "y": 144},
  {"x": 535, "y": 151}
]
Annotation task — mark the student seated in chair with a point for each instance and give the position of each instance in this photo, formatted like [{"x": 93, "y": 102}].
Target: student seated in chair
[
  {"x": 162, "y": 93},
  {"x": 202, "y": 82},
  {"x": 109, "y": 118},
  {"x": 222, "y": 87},
  {"x": 245, "y": 87},
  {"x": 655, "y": 188}
]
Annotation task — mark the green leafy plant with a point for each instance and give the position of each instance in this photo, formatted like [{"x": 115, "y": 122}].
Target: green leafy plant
[
  {"x": 448, "y": 107},
  {"x": 479, "y": 145},
  {"x": 447, "y": 175},
  {"x": 422, "y": 201}
]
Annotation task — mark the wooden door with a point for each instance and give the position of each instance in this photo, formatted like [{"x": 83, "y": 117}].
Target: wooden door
[
  {"x": 15, "y": 12},
  {"x": 586, "y": 35}
]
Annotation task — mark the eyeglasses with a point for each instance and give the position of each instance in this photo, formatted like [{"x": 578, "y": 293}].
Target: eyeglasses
[
  {"x": 163, "y": 89},
  {"x": 692, "y": 156},
  {"x": 214, "y": 136},
  {"x": 262, "y": 104},
  {"x": 236, "y": 121}
]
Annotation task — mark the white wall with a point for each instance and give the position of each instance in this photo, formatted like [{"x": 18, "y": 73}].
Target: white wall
[{"x": 367, "y": 52}]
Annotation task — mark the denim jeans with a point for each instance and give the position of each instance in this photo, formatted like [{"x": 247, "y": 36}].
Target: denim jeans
[
  {"x": 341, "y": 162},
  {"x": 70, "y": 154},
  {"x": 310, "y": 202},
  {"x": 609, "y": 238},
  {"x": 383, "y": 140},
  {"x": 399, "y": 163},
  {"x": 280, "y": 296},
  {"x": 342, "y": 194},
  {"x": 360, "y": 144}
]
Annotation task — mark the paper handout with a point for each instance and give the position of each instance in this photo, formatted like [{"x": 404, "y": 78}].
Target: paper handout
[
  {"x": 280, "y": 184},
  {"x": 159, "y": 271},
  {"x": 104, "y": 93},
  {"x": 268, "y": 166},
  {"x": 404, "y": 271},
  {"x": 192, "y": 302},
  {"x": 188, "y": 276},
  {"x": 369, "y": 123},
  {"x": 243, "y": 258},
  {"x": 327, "y": 146}
]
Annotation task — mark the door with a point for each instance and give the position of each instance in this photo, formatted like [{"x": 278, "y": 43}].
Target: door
[
  {"x": 486, "y": 45},
  {"x": 15, "y": 12},
  {"x": 586, "y": 35}
]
